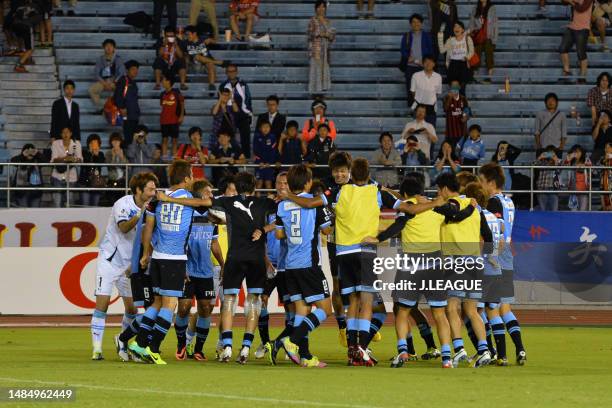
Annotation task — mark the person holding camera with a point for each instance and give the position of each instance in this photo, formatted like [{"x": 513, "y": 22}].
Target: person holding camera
[
  {"x": 64, "y": 150},
  {"x": 140, "y": 151},
  {"x": 91, "y": 176},
  {"x": 424, "y": 131},
  {"x": 412, "y": 155},
  {"x": 224, "y": 114},
  {"x": 27, "y": 176},
  {"x": 548, "y": 179}
]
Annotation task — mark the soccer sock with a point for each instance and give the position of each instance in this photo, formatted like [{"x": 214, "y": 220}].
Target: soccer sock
[
  {"x": 410, "y": 344},
  {"x": 98, "y": 321},
  {"x": 446, "y": 352},
  {"x": 457, "y": 344},
  {"x": 307, "y": 324},
  {"x": 162, "y": 325},
  {"x": 202, "y": 329},
  {"x": 189, "y": 335},
  {"x": 303, "y": 344},
  {"x": 226, "y": 338},
  {"x": 180, "y": 327},
  {"x": 363, "y": 326},
  {"x": 514, "y": 329},
  {"x": 378, "y": 319},
  {"x": 499, "y": 332},
  {"x": 341, "y": 320},
  {"x": 262, "y": 324},
  {"x": 488, "y": 330},
  {"x": 470, "y": 331},
  {"x": 128, "y": 318},
  {"x": 427, "y": 335},
  {"x": 132, "y": 330},
  {"x": 351, "y": 331},
  {"x": 247, "y": 339},
  {"x": 482, "y": 346},
  {"x": 402, "y": 346},
  {"x": 146, "y": 326}
]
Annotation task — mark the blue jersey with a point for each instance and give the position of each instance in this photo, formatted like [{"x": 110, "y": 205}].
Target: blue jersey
[
  {"x": 172, "y": 226},
  {"x": 492, "y": 266},
  {"x": 301, "y": 226},
  {"x": 508, "y": 213},
  {"x": 203, "y": 232},
  {"x": 272, "y": 244},
  {"x": 137, "y": 248}
]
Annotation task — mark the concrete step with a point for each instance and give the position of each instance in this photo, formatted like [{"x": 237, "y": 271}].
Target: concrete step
[
  {"x": 37, "y": 60},
  {"x": 30, "y": 76},
  {"x": 27, "y": 119},
  {"x": 27, "y": 127},
  {"x": 32, "y": 135},
  {"x": 31, "y": 93},
  {"x": 28, "y": 110},
  {"x": 38, "y": 69},
  {"x": 29, "y": 85},
  {"x": 38, "y": 102}
]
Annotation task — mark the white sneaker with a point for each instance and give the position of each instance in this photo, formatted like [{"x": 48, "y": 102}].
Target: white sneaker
[
  {"x": 260, "y": 352},
  {"x": 121, "y": 349},
  {"x": 244, "y": 355},
  {"x": 459, "y": 357},
  {"x": 226, "y": 355},
  {"x": 483, "y": 359}
]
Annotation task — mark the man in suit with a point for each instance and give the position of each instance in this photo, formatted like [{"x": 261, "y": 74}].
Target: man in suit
[
  {"x": 65, "y": 114},
  {"x": 276, "y": 119}
]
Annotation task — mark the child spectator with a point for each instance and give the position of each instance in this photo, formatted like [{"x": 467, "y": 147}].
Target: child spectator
[
  {"x": 225, "y": 152},
  {"x": 446, "y": 162},
  {"x": 243, "y": 10},
  {"x": 266, "y": 155},
  {"x": 577, "y": 179},
  {"x": 457, "y": 112},
  {"x": 170, "y": 58},
  {"x": 472, "y": 149},
  {"x": 197, "y": 53},
  {"x": 388, "y": 156},
  {"x": 194, "y": 152},
  {"x": 172, "y": 114},
  {"x": 548, "y": 179},
  {"x": 606, "y": 178},
  {"x": 291, "y": 148},
  {"x": 412, "y": 155},
  {"x": 319, "y": 150}
]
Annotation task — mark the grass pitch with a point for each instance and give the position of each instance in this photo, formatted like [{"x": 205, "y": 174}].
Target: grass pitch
[{"x": 566, "y": 367}]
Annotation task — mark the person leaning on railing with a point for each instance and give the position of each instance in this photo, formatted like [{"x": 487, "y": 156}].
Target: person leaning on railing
[
  {"x": 27, "y": 176},
  {"x": 64, "y": 150},
  {"x": 116, "y": 174},
  {"x": 91, "y": 176}
]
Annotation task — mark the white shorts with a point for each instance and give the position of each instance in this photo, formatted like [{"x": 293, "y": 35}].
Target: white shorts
[{"x": 108, "y": 276}]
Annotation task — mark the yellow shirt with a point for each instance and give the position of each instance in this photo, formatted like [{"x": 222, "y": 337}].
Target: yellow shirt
[
  {"x": 357, "y": 216},
  {"x": 421, "y": 234},
  {"x": 462, "y": 238},
  {"x": 222, "y": 239}
]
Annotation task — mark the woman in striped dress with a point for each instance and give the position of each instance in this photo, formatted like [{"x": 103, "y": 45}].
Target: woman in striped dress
[{"x": 320, "y": 36}]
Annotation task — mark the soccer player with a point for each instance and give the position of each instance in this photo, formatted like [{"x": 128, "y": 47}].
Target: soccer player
[
  {"x": 115, "y": 255},
  {"x": 420, "y": 235},
  {"x": 168, "y": 225},
  {"x": 200, "y": 283},
  {"x": 492, "y": 178},
  {"x": 304, "y": 277},
  {"x": 246, "y": 217}
]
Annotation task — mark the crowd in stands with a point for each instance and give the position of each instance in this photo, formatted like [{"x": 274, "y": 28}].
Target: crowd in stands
[{"x": 451, "y": 53}]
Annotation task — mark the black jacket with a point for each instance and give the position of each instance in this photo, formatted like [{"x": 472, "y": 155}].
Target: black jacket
[
  {"x": 60, "y": 119},
  {"x": 126, "y": 97},
  {"x": 278, "y": 125}
]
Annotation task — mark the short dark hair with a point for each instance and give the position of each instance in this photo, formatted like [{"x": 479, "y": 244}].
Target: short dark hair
[
  {"x": 273, "y": 98},
  {"x": 224, "y": 183},
  {"x": 429, "y": 57},
  {"x": 225, "y": 90},
  {"x": 292, "y": 123},
  {"x": 360, "y": 170},
  {"x": 109, "y": 41},
  {"x": 169, "y": 29},
  {"x": 340, "y": 159},
  {"x": 298, "y": 176},
  {"x": 324, "y": 125},
  {"x": 413, "y": 138},
  {"x": 420, "y": 106},
  {"x": 417, "y": 16},
  {"x": 448, "y": 180},
  {"x": 141, "y": 128},
  {"x": 194, "y": 129},
  {"x": 68, "y": 82},
  {"x": 115, "y": 136},
  {"x": 244, "y": 182},
  {"x": 140, "y": 180},
  {"x": 92, "y": 137},
  {"x": 264, "y": 122},
  {"x": 551, "y": 95},
  {"x": 191, "y": 29},
  {"x": 460, "y": 24},
  {"x": 132, "y": 63},
  {"x": 476, "y": 191},
  {"x": 178, "y": 171},
  {"x": 493, "y": 172},
  {"x": 602, "y": 75},
  {"x": 320, "y": 2},
  {"x": 200, "y": 185},
  {"x": 232, "y": 64},
  {"x": 169, "y": 76},
  {"x": 413, "y": 184},
  {"x": 475, "y": 127},
  {"x": 383, "y": 135},
  {"x": 465, "y": 177},
  {"x": 317, "y": 188}
]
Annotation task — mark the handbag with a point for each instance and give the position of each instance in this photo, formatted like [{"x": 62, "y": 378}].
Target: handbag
[
  {"x": 474, "y": 60},
  {"x": 95, "y": 179}
]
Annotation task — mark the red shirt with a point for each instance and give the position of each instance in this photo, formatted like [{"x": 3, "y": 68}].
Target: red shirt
[
  {"x": 170, "y": 103},
  {"x": 455, "y": 127},
  {"x": 189, "y": 153}
]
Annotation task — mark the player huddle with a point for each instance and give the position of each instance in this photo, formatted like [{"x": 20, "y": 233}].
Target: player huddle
[{"x": 163, "y": 249}]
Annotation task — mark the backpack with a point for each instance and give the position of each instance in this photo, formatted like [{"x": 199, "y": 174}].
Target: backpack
[{"x": 140, "y": 20}]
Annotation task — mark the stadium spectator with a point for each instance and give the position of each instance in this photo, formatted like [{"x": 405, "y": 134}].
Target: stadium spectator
[
  {"x": 158, "y": 9},
  {"x": 59, "y": 11},
  {"x": 577, "y": 179},
  {"x": 425, "y": 87},
  {"x": 415, "y": 44},
  {"x": 140, "y": 152},
  {"x": 309, "y": 130},
  {"x": 577, "y": 33},
  {"x": 484, "y": 29},
  {"x": 459, "y": 49},
  {"x": 472, "y": 149},
  {"x": 290, "y": 147},
  {"x": 116, "y": 174},
  {"x": 320, "y": 36},
  {"x": 368, "y": 14},
  {"x": 412, "y": 155},
  {"x": 65, "y": 113},
  {"x": 126, "y": 99},
  {"x": 443, "y": 16},
  {"x": 241, "y": 95},
  {"x": 541, "y": 6},
  {"x": 194, "y": 152},
  {"x": 109, "y": 68},
  {"x": 548, "y": 179},
  {"x": 91, "y": 176},
  {"x": 318, "y": 151},
  {"x": 224, "y": 118},
  {"x": 209, "y": 8},
  {"x": 550, "y": 126},
  {"x": 266, "y": 155},
  {"x": 422, "y": 130},
  {"x": 45, "y": 29},
  {"x": 170, "y": 59},
  {"x": 601, "y": 18},
  {"x": 243, "y": 10},
  {"x": 389, "y": 157},
  {"x": 27, "y": 176},
  {"x": 606, "y": 178},
  {"x": 64, "y": 150},
  {"x": 458, "y": 112},
  {"x": 197, "y": 53},
  {"x": 446, "y": 162},
  {"x": 227, "y": 152},
  {"x": 171, "y": 115},
  {"x": 505, "y": 154},
  {"x": 602, "y": 134},
  {"x": 276, "y": 119},
  {"x": 599, "y": 97},
  {"x": 161, "y": 172}
]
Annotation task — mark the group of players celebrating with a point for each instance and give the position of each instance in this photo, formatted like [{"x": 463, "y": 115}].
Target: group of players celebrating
[{"x": 162, "y": 249}]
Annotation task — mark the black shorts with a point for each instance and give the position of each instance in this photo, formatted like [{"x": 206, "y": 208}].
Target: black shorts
[
  {"x": 168, "y": 276},
  {"x": 424, "y": 285},
  {"x": 277, "y": 283},
  {"x": 162, "y": 65},
  {"x": 491, "y": 289},
  {"x": 507, "y": 287},
  {"x": 333, "y": 262},
  {"x": 201, "y": 288},
  {"x": 171, "y": 131},
  {"x": 307, "y": 284},
  {"x": 356, "y": 272},
  {"x": 142, "y": 291},
  {"x": 471, "y": 278},
  {"x": 254, "y": 272}
]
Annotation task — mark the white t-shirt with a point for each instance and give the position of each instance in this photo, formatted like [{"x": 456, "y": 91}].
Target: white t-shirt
[
  {"x": 426, "y": 88},
  {"x": 116, "y": 245}
]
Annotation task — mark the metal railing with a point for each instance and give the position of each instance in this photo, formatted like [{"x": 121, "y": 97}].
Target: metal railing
[{"x": 68, "y": 188}]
